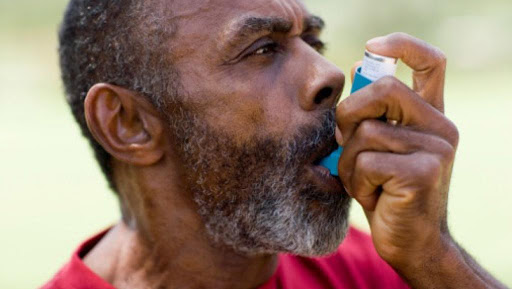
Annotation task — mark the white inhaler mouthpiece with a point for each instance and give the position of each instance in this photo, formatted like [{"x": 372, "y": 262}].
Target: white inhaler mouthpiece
[{"x": 373, "y": 68}]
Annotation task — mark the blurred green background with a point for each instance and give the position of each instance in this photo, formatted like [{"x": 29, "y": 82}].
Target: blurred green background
[{"x": 53, "y": 195}]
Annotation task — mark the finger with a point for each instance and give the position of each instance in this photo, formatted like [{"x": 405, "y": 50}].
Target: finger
[
  {"x": 374, "y": 173},
  {"x": 353, "y": 70},
  {"x": 390, "y": 98},
  {"x": 427, "y": 61},
  {"x": 369, "y": 175},
  {"x": 375, "y": 135},
  {"x": 338, "y": 136},
  {"x": 402, "y": 178}
]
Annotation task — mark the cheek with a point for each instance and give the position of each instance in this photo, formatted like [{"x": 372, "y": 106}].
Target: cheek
[
  {"x": 240, "y": 117},
  {"x": 231, "y": 108},
  {"x": 246, "y": 113},
  {"x": 259, "y": 105},
  {"x": 281, "y": 116}
]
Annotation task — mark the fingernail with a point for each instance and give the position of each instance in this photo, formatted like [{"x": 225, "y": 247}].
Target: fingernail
[
  {"x": 339, "y": 136},
  {"x": 375, "y": 41}
]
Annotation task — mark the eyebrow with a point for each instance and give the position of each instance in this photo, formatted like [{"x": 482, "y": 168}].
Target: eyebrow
[
  {"x": 260, "y": 25},
  {"x": 252, "y": 27},
  {"x": 313, "y": 23}
]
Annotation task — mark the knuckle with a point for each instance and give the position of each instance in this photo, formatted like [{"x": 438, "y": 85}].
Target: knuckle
[
  {"x": 429, "y": 169},
  {"x": 440, "y": 57},
  {"x": 386, "y": 85},
  {"x": 367, "y": 130},
  {"x": 455, "y": 136},
  {"x": 447, "y": 151},
  {"x": 389, "y": 90},
  {"x": 399, "y": 36},
  {"x": 452, "y": 133},
  {"x": 364, "y": 161}
]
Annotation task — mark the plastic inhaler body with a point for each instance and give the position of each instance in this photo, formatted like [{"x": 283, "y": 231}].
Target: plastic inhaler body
[{"x": 373, "y": 68}]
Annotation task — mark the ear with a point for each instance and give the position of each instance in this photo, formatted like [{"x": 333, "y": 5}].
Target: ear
[{"x": 125, "y": 124}]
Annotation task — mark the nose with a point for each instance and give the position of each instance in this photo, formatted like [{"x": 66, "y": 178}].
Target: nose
[{"x": 323, "y": 82}]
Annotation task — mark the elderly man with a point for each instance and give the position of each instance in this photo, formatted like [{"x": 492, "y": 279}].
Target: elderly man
[{"x": 209, "y": 119}]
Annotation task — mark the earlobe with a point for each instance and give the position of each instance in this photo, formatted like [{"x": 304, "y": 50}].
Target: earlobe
[{"x": 125, "y": 124}]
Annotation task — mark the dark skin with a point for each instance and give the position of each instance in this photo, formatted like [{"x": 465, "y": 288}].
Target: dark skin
[{"x": 399, "y": 173}]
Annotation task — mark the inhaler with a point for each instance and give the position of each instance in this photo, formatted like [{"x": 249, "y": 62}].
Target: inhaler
[{"x": 373, "y": 68}]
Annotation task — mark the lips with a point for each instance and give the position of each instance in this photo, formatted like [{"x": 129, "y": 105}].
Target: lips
[
  {"x": 321, "y": 176},
  {"x": 324, "y": 181},
  {"x": 325, "y": 149}
]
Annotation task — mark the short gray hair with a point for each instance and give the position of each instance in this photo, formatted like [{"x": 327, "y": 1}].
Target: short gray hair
[{"x": 121, "y": 42}]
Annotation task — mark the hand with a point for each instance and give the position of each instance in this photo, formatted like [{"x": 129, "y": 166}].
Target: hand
[{"x": 400, "y": 174}]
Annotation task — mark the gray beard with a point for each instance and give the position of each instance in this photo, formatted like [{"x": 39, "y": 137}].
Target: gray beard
[{"x": 253, "y": 198}]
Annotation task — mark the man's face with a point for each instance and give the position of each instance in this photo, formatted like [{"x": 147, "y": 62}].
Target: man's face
[{"x": 254, "y": 117}]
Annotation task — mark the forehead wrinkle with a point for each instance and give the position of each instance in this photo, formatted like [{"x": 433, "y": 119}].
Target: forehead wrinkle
[{"x": 296, "y": 12}]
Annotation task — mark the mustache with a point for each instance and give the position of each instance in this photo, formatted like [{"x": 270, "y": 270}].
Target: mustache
[{"x": 315, "y": 141}]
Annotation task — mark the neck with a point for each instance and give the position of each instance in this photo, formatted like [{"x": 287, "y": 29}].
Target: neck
[
  {"x": 125, "y": 260},
  {"x": 165, "y": 245}
]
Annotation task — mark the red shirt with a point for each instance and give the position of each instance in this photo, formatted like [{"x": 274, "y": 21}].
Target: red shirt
[{"x": 355, "y": 265}]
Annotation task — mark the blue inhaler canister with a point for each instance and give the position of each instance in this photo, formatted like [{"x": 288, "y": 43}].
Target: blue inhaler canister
[{"x": 373, "y": 68}]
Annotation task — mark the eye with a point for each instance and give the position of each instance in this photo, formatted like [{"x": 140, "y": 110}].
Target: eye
[
  {"x": 266, "y": 49},
  {"x": 319, "y": 46},
  {"x": 314, "y": 42}
]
